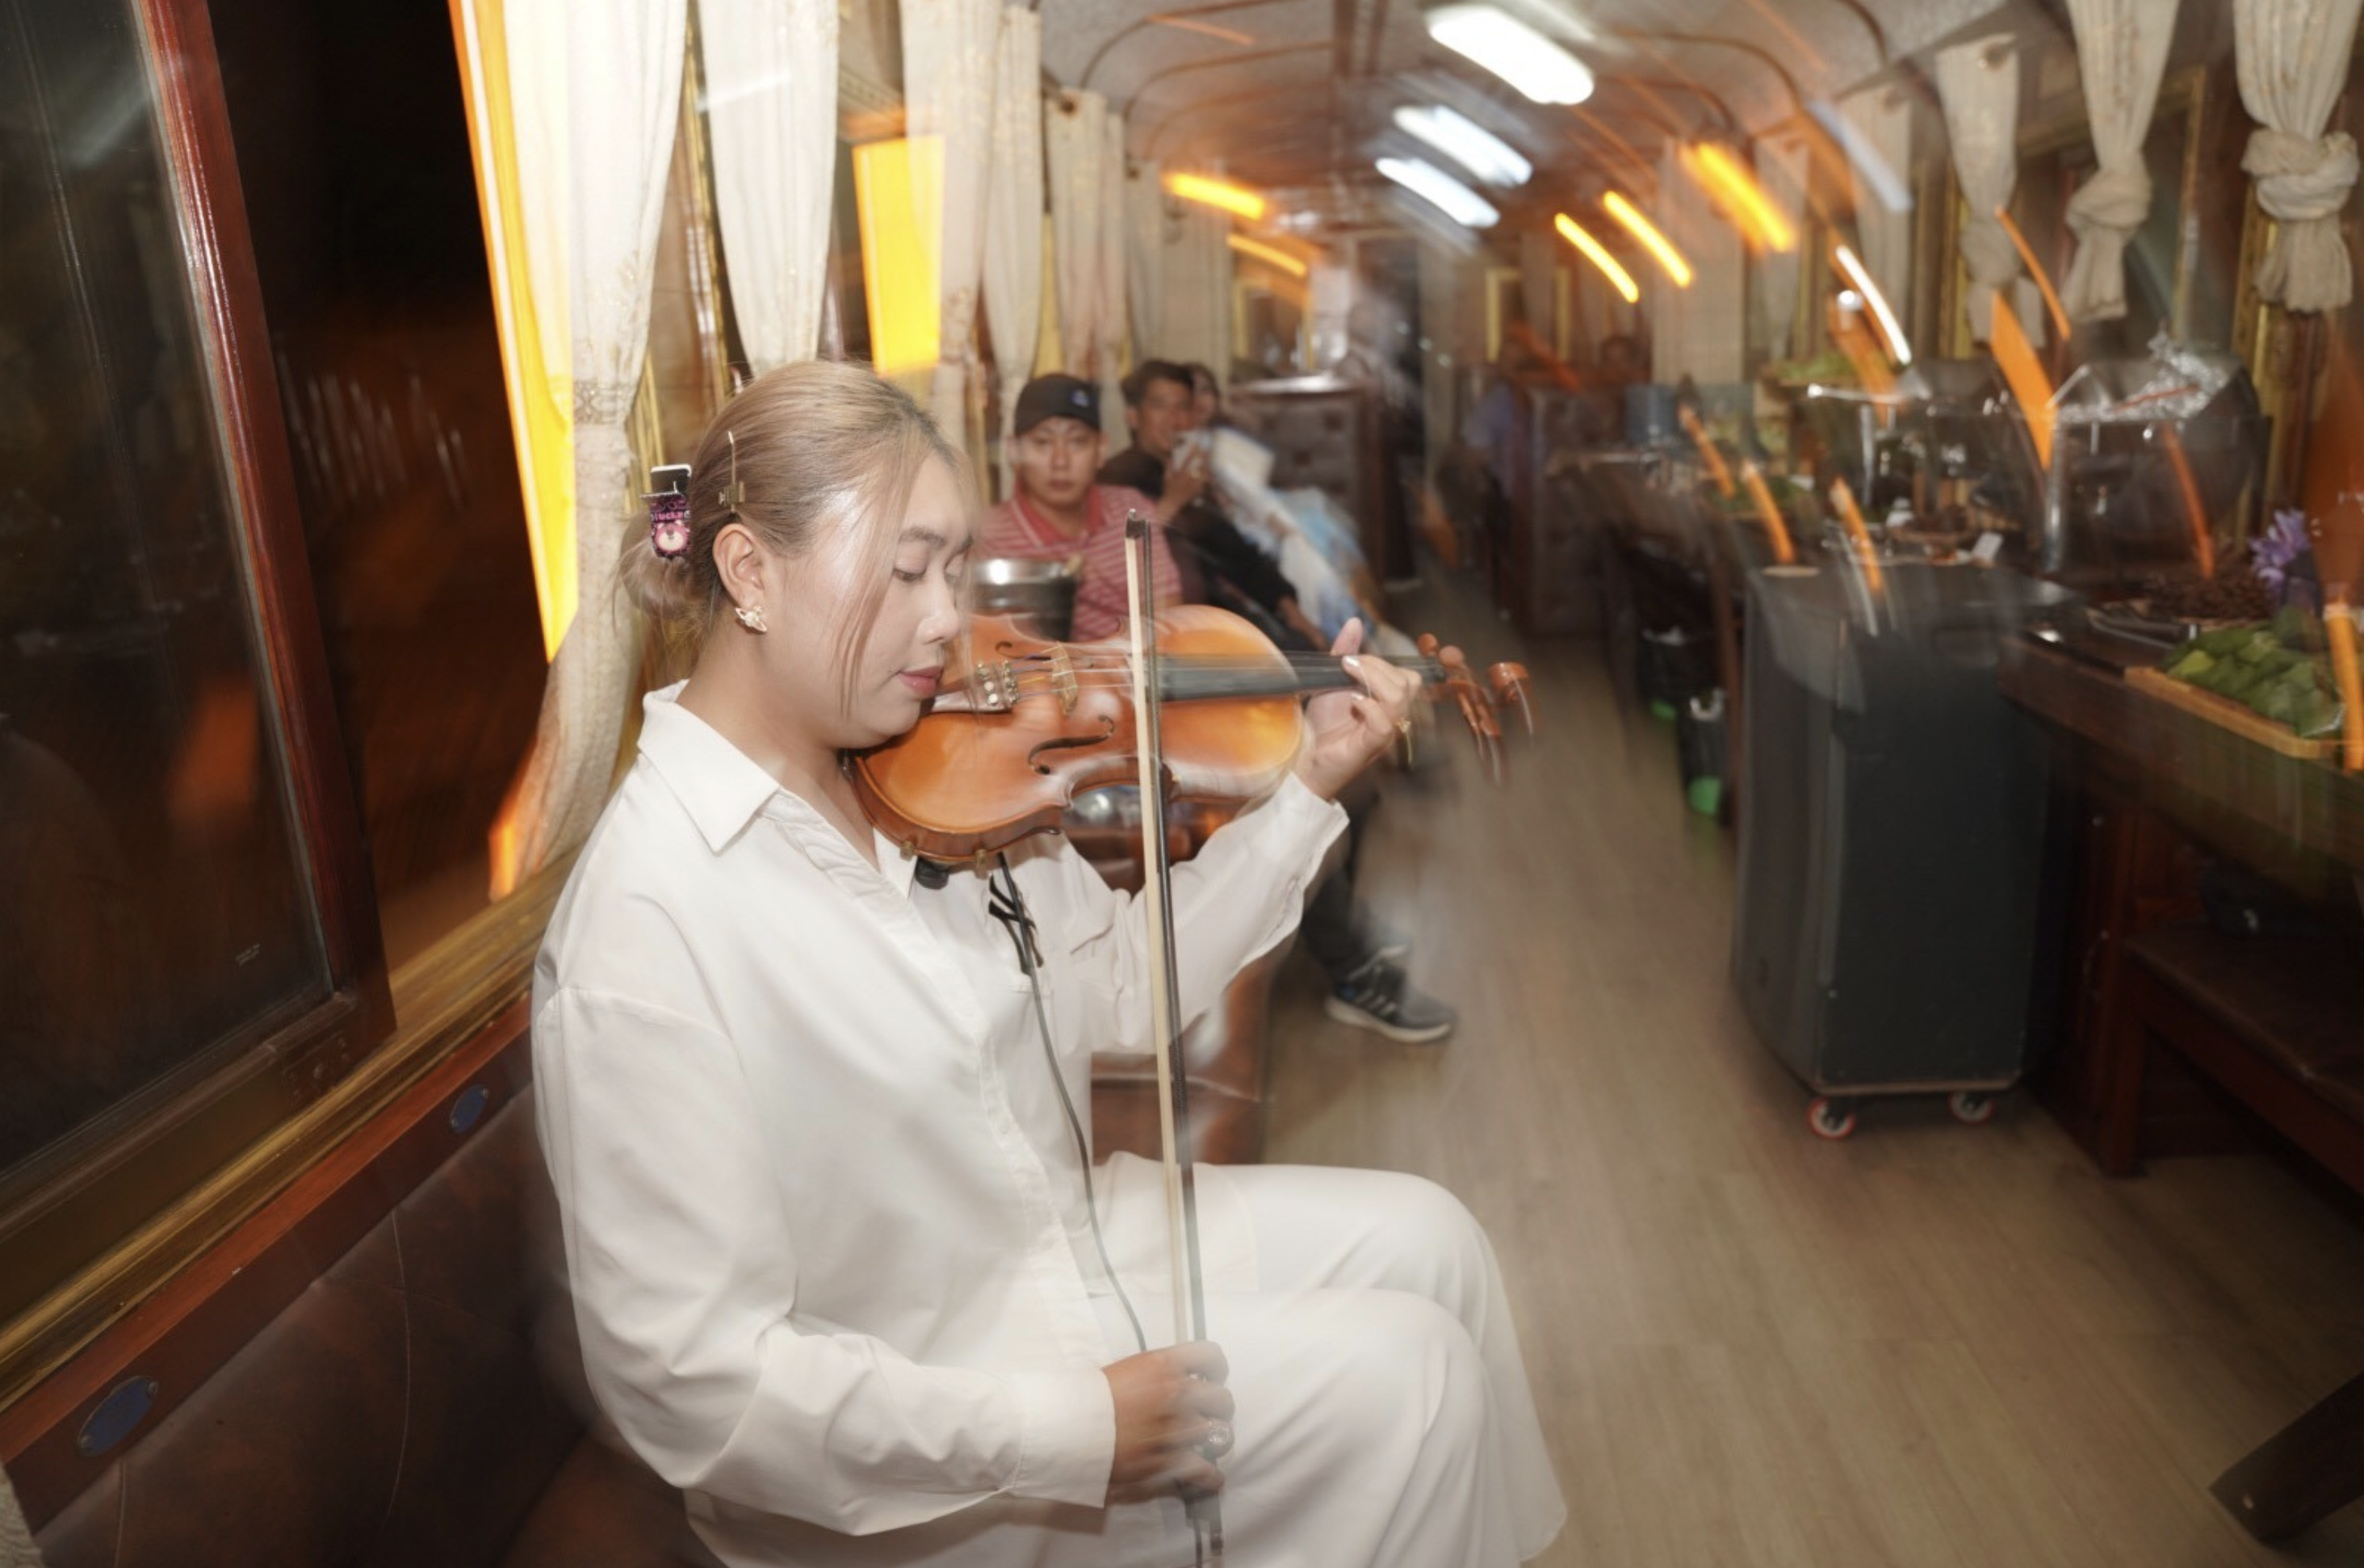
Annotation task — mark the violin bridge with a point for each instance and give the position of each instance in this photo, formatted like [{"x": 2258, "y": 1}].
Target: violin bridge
[
  {"x": 996, "y": 687},
  {"x": 1063, "y": 680}
]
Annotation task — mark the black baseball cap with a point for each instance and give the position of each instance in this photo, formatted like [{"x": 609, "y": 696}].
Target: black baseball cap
[{"x": 1056, "y": 397}]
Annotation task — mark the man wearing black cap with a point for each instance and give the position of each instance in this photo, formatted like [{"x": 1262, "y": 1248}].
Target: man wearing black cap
[{"x": 1056, "y": 510}]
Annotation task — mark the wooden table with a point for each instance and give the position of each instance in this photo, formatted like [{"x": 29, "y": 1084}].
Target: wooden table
[
  {"x": 2224, "y": 787},
  {"x": 2140, "y": 757}
]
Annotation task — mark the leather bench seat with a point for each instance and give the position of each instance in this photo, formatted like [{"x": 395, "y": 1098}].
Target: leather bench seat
[{"x": 419, "y": 1405}]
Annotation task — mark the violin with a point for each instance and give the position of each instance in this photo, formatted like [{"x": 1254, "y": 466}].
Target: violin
[{"x": 1031, "y": 724}]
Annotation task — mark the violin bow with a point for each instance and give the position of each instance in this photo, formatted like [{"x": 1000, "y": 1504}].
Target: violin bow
[{"x": 1205, "y": 1514}]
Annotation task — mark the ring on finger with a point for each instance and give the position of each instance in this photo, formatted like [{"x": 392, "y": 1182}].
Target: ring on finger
[{"x": 1218, "y": 1440}]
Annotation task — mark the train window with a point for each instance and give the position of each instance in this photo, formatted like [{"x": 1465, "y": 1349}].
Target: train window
[
  {"x": 186, "y": 955},
  {"x": 353, "y": 153}
]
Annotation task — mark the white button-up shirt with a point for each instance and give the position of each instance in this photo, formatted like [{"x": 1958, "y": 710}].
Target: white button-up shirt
[{"x": 822, "y": 1209}]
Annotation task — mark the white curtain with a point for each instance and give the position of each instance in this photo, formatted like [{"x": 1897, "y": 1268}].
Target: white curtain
[
  {"x": 623, "y": 99},
  {"x": 1074, "y": 129},
  {"x": 1194, "y": 310},
  {"x": 950, "y": 49},
  {"x": 2292, "y": 57},
  {"x": 1013, "y": 210},
  {"x": 1977, "y": 83},
  {"x": 1111, "y": 318},
  {"x": 2121, "y": 53},
  {"x": 1781, "y": 173},
  {"x": 1878, "y": 132},
  {"x": 771, "y": 106},
  {"x": 1144, "y": 261}
]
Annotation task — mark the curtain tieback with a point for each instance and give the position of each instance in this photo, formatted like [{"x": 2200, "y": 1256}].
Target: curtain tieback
[
  {"x": 2301, "y": 177},
  {"x": 2117, "y": 197}
]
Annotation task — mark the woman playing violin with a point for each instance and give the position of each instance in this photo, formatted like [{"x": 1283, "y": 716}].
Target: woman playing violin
[{"x": 823, "y": 1193}]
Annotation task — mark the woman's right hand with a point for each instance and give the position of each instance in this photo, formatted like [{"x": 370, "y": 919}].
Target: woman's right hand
[{"x": 1171, "y": 1407}]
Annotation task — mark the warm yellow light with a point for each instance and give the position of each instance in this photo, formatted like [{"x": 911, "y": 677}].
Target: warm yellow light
[
  {"x": 1777, "y": 532},
  {"x": 899, "y": 193},
  {"x": 1842, "y": 498},
  {"x": 1728, "y": 182},
  {"x": 2031, "y": 387},
  {"x": 2035, "y": 270},
  {"x": 1661, "y": 248},
  {"x": 1272, "y": 255},
  {"x": 532, "y": 329},
  {"x": 1238, "y": 200},
  {"x": 1890, "y": 328},
  {"x": 1573, "y": 232}
]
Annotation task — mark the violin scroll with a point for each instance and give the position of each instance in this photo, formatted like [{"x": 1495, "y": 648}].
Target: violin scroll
[{"x": 1505, "y": 687}]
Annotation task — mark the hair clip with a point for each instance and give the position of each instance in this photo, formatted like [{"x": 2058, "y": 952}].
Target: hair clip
[
  {"x": 734, "y": 495},
  {"x": 669, "y": 511}
]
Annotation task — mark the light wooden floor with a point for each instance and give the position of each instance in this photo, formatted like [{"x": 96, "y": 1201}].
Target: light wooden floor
[{"x": 1932, "y": 1345}]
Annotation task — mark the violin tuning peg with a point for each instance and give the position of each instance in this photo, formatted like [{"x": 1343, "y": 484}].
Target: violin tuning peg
[{"x": 1508, "y": 683}]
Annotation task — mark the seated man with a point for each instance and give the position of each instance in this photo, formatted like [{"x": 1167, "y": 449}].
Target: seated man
[
  {"x": 1056, "y": 510},
  {"x": 1367, "y": 985},
  {"x": 1222, "y": 566}
]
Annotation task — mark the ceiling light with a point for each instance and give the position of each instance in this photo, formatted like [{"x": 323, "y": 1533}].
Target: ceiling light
[
  {"x": 1271, "y": 255},
  {"x": 1598, "y": 254},
  {"x": 1211, "y": 192},
  {"x": 1879, "y": 175},
  {"x": 1721, "y": 175},
  {"x": 1514, "y": 51},
  {"x": 1458, "y": 201},
  {"x": 1190, "y": 25},
  {"x": 1897, "y": 348},
  {"x": 1467, "y": 143},
  {"x": 1662, "y": 248}
]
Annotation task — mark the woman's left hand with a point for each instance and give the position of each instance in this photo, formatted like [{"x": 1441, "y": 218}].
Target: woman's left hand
[{"x": 1347, "y": 731}]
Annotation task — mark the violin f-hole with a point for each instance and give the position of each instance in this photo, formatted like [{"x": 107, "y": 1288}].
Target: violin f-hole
[{"x": 1069, "y": 743}]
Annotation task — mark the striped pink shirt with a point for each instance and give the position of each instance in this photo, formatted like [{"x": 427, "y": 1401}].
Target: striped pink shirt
[{"x": 1016, "y": 529}]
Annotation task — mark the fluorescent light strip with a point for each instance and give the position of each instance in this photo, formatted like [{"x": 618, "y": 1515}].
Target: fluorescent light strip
[
  {"x": 1271, "y": 255},
  {"x": 1467, "y": 143},
  {"x": 1432, "y": 184},
  {"x": 1573, "y": 232},
  {"x": 1722, "y": 176},
  {"x": 1514, "y": 51},
  {"x": 1190, "y": 25},
  {"x": 1660, "y": 248},
  {"x": 1878, "y": 175},
  {"x": 1209, "y": 191},
  {"x": 1888, "y": 327}
]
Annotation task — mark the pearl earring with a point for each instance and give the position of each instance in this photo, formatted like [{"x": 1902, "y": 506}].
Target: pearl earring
[{"x": 751, "y": 617}]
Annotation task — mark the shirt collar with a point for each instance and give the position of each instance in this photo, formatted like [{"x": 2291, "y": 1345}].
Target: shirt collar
[
  {"x": 717, "y": 783},
  {"x": 723, "y": 789},
  {"x": 1047, "y": 532}
]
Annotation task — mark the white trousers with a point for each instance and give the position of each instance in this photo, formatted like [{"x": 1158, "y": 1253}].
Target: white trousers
[
  {"x": 1384, "y": 1413},
  {"x": 1384, "y": 1418}
]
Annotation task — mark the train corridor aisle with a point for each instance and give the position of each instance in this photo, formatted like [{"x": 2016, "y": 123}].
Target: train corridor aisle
[{"x": 1934, "y": 1345}]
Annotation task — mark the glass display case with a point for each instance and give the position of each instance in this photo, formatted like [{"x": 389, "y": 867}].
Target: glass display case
[
  {"x": 2147, "y": 453},
  {"x": 1946, "y": 454}
]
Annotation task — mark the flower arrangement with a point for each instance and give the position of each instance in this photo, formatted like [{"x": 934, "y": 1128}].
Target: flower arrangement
[{"x": 2284, "y": 560}]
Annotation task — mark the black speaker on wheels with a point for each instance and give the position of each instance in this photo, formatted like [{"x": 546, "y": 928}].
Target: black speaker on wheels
[{"x": 1892, "y": 831}]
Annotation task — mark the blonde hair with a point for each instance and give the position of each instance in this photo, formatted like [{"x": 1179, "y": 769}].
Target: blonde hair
[{"x": 808, "y": 445}]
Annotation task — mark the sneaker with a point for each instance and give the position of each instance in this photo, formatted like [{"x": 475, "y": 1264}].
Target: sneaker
[{"x": 1378, "y": 997}]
